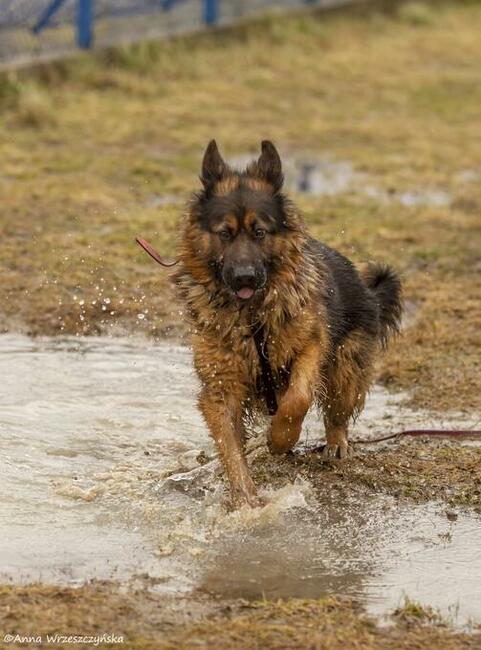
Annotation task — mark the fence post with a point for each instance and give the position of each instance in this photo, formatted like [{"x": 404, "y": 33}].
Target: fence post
[
  {"x": 211, "y": 11},
  {"x": 84, "y": 23}
]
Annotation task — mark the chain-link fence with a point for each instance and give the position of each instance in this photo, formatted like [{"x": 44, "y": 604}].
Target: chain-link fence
[{"x": 32, "y": 30}]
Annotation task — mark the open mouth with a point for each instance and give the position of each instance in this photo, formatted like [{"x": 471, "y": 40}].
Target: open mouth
[{"x": 245, "y": 293}]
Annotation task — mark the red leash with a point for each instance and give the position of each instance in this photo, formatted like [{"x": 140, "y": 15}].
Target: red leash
[
  {"x": 418, "y": 433},
  {"x": 433, "y": 433},
  {"x": 154, "y": 254},
  {"x": 167, "y": 263}
]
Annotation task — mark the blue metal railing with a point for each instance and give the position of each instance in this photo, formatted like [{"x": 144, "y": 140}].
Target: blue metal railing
[
  {"x": 33, "y": 29},
  {"x": 86, "y": 15}
]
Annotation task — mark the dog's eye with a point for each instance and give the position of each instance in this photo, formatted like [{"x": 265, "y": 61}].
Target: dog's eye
[
  {"x": 260, "y": 233},
  {"x": 225, "y": 235}
]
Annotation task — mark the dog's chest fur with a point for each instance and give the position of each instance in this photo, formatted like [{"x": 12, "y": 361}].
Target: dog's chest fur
[
  {"x": 224, "y": 343},
  {"x": 290, "y": 314}
]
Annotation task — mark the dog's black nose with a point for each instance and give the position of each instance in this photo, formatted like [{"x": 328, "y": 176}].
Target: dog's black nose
[{"x": 244, "y": 276}]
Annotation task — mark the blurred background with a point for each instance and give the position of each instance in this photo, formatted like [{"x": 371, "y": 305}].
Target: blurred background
[
  {"x": 34, "y": 29},
  {"x": 375, "y": 107}
]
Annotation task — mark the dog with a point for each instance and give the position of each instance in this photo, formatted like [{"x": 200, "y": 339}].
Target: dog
[{"x": 279, "y": 321}]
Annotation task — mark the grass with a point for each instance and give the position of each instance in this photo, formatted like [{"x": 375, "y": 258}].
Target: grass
[
  {"x": 412, "y": 612},
  {"x": 146, "y": 620},
  {"x": 89, "y": 145}
]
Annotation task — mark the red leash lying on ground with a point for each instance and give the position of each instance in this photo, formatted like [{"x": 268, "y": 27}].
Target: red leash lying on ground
[
  {"x": 167, "y": 263},
  {"x": 435, "y": 433}
]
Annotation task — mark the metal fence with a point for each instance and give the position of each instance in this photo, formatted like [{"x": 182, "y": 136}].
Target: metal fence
[{"x": 32, "y": 30}]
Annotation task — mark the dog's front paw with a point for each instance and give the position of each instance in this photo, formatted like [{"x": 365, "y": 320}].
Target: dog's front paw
[
  {"x": 278, "y": 443},
  {"x": 250, "y": 499},
  {"x": 285, "y": 430},
  {"x": 334, "y": 451},
  {"x": 244, "y": 493}
]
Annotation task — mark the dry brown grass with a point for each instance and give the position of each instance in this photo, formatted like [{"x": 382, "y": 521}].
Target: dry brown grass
[
  {"x": 88, "y": 144},
  {"x": 147, "y": 621}
]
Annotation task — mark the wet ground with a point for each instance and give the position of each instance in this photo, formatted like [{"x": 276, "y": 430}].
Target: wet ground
[{"x": 90, "y": 431}]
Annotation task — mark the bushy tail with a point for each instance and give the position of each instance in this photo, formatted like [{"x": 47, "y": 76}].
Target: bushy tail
[{"x": 386, "y": 286}]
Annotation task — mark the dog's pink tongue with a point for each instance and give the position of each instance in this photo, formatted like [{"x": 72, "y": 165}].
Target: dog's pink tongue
[{"x": 245, "y": 293}]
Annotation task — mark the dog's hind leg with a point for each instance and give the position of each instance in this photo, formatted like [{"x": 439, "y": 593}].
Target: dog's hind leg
[
  {"x": 348, "y": 378},
  {"x": 223, "y": 415},
  {"x": 287, "y": 422}
]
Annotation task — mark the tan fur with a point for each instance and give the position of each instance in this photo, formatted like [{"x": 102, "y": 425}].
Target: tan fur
[
  {"x": 347, "y": 379},
  {"x": 295, "y": 402},
  {"x": 230, "y": 221},
  {"x": 227, "y": 185},
  {"x": 224, "y": 419},
  {"x": 257, "y": 184}
]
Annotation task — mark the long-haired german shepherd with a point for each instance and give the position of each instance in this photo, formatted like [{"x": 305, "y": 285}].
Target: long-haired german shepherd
[{"x": 279, "y": 320}]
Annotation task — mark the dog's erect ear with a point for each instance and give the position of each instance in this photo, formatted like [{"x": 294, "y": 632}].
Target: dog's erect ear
[
  {"x": 213, "y": 165},
  {"x": 269, "y": 165}
]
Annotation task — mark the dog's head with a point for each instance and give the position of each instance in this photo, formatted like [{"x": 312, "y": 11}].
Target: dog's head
[{"x": 243, "y": 220}]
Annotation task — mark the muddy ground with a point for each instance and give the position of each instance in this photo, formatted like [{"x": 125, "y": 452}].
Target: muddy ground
[{"x": 377, "y": 114}]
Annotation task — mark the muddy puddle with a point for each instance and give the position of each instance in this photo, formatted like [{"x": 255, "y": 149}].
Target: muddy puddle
[{"x": 90, "y": 430}]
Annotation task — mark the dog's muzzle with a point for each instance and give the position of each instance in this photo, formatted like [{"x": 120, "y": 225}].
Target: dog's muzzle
[{"x": 245, "y": 280}]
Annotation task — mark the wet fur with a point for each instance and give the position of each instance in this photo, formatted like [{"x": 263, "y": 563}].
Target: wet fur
[{"x": 322, "y": 321}]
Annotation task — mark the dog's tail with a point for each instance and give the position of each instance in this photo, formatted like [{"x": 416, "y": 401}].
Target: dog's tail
[{"x": 386, "y": 286}]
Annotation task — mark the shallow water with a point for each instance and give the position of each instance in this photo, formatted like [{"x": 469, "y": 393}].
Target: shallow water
[{"x": 89, "y": 430}]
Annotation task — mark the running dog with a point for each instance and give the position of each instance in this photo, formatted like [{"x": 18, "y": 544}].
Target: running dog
[{"x": 279, "y": 320}]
